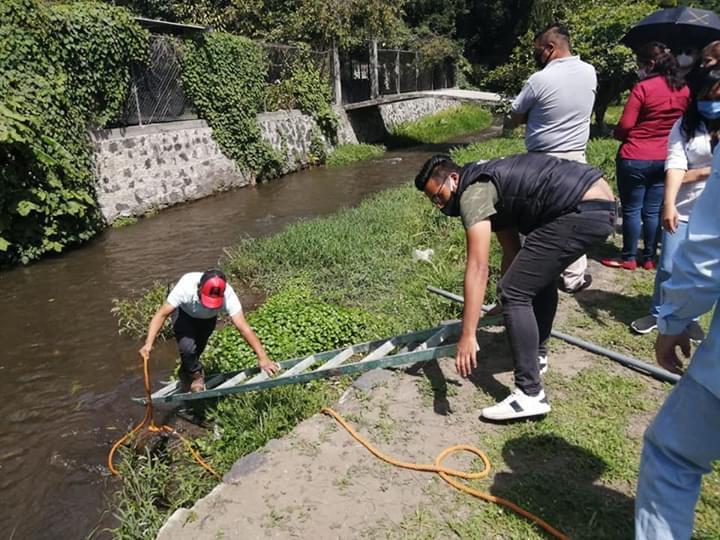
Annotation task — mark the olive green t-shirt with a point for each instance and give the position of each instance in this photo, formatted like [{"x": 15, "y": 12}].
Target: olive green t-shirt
[{"x": 477, "y": 203}]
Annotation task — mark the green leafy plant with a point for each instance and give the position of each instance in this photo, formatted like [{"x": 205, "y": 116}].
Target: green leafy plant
[
  {"x": 224, "y": 76},
  {"x": 63, "y": 68},
  {"x": 349, "y": 153}
]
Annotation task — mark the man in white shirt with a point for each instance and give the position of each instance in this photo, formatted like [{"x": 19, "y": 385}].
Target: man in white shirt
[
  {"x": 194, "y": 304},
  {"x": 556, "y": 103}
]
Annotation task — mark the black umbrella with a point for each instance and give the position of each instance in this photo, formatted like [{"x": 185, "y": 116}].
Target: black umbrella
[{"x": 676, "y": 27}]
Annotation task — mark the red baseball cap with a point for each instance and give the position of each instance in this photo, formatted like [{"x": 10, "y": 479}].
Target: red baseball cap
[{"x": 212, "y": 289}]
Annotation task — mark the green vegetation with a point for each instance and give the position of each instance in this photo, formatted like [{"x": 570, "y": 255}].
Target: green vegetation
[
  {"x": 441, "y": 126},
  {"x": 222, "y": 74},
  {"x": 63, "y": 67},
  {"x": 350, "y": 153}
]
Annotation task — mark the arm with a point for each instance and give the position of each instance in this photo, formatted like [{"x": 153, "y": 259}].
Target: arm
[
  {"x": 521, "y": 105},
  {"x": 476, "y": 276},
  {"x": 156, "y": 324},
  {"x": 696, "y": 175},
  {"x": 629, "y": 115},
  {"x": 249, "y": 335},
  {"x": 670, "y": 216}
]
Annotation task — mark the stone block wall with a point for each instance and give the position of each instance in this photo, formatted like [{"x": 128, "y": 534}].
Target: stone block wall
[
  {"x": 399, "y": 112},
  {"x": 143, "y": 168}
]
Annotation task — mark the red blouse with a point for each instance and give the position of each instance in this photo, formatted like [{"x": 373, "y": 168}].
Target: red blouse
[{"x": 648, "y": 116}]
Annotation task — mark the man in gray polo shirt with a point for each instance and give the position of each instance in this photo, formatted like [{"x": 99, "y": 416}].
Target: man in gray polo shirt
[{"x": 556, "y": 103}]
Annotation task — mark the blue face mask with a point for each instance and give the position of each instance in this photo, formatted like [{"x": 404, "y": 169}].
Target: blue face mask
[{"x": 709, "y": 109}]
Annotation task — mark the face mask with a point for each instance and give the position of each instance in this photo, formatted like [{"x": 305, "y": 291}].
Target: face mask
[
  {"x": 641, "y": 73},
  {"x": 709, "y": 109},
  {"x": 684, "y": 60},
  {"x": 452, "y": 208},
  {"x": 538, "y": 56}
]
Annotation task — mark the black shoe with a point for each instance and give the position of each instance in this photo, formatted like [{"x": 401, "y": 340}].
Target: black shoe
[{"x": 587, "y": 281}]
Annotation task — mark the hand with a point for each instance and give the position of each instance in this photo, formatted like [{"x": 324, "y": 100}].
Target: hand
[
  {"x": 670, "y": 218},
  {"x": 466, "y": 355},
  {"x": 666, "y": 353},
  {"x": 145, "y": 351},
  {"x": 269, "y": 367}
]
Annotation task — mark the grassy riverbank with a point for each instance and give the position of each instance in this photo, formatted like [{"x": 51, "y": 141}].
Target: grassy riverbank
[
  {"x": 439, "y": 127},
  {"x": 350, "y": 153},
  {"x": 351, "y": 277}
]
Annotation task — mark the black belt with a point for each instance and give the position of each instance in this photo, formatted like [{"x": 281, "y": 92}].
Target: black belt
[{"x": 589, "y": 206}]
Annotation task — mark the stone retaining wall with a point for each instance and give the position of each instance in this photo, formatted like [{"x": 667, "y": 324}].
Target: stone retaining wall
[{"x": 143, "y": 168}]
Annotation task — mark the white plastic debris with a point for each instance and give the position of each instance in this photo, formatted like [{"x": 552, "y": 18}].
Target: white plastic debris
[{"x": 422, "y": 254}]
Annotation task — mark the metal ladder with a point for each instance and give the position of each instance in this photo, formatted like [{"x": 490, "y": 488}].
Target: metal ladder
[{"x": 421, "y": 346}]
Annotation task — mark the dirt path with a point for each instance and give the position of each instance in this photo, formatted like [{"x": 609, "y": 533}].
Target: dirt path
[{"x": 318, "y": 482}]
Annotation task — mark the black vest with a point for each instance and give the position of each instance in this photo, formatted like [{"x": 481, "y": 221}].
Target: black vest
[{"x": 533, "y": 189}]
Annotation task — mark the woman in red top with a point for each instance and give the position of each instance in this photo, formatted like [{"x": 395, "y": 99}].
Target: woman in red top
[{"x": 655, "y": 103}]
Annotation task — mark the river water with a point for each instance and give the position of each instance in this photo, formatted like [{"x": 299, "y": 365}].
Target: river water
[{"x": 66, "y": 375}]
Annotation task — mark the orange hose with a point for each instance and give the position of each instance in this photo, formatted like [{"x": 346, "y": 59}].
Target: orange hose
[
  {"x": 149, "y": 423},
  {"x": 447, "y": 474}
]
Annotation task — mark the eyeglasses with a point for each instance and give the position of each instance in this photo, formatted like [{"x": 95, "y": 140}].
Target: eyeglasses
[{"x": 435, "y": 198}]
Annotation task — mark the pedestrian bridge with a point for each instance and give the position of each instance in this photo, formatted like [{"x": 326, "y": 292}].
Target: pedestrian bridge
[{"x": 477, "y": 96}]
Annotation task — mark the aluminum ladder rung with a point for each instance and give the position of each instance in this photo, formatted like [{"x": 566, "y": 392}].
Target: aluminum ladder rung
[
  {"x": 337, "y": 359},
  {"x": 299, "y": 367},
  {"x": 381, "y": 351},
  {"x": 233, "y": 381}
]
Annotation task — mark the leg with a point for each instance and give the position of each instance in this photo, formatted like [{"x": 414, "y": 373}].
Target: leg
[
  {"x": 670, "y": 243},
  {"x": 545, "y": 253},
  {"x": 632, "y": 193},
  {"x": 654, "y": 192},
  {"x": 191, "y": 336},
  {"x": 679, "y": 447},
  {"x": 573, "y": 276}
]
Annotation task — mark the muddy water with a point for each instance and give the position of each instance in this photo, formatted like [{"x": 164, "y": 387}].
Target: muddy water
[{"x": 65, "y": 373}]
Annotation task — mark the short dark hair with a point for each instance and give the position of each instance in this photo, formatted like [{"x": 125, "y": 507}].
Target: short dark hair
[
  {"x": 555, "y": 30},
  {"x": 438, "y": 166}
]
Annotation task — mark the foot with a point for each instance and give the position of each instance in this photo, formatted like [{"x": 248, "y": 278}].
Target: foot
[
  {"x": 587, "y": 281},
  {"x": 644, "y": 325},
  {"x": 543, "y": 363},
  {"x": 619, "y": 263},
  {"x": 695, "y": 332},
  {"x": 648, "y": 264},
  {"x": 518, "y": 405}
]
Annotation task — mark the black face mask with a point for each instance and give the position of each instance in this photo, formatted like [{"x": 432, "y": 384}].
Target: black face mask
[
  {"x": 452, "y": 208},
  {"x": 537, "y": 55}
]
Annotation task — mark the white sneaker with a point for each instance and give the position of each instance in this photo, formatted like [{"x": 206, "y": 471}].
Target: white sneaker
[
  {"x": 543, "y": 362},
  {"x": 518, "y": 405}
]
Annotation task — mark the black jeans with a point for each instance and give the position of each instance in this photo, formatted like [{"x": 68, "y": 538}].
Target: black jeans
[
  {"x": 192, "y": 335},
  {"x": 528, "y": 290}
]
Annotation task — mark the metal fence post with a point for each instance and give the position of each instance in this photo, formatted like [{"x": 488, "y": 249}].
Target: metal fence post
[
  {"x": 397, "y": 71},
  {"x": 417, "y": 71},
  {"x": 337, "y": 84},
  {"x": 374, "y": 82}
]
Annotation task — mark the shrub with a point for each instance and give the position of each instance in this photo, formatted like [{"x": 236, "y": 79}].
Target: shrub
[{"x": 55, "y": 83}]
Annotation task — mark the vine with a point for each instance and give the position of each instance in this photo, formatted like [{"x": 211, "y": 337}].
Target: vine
[
  {"x": 54, "y": 85},
  {"x": 223, "y": 74}
]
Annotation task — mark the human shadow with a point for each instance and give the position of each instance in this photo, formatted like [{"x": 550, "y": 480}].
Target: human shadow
[
  {"x": 438, "y": 384},
  {"x": 622, "y": 308},
  {"x": 558, "y": 482}
]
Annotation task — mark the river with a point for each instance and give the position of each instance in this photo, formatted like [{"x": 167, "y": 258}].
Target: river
[{"x": 67, "y": 376}]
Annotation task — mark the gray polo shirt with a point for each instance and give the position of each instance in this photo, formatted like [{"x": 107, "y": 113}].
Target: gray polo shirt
[{"x": 558, "y": 101}]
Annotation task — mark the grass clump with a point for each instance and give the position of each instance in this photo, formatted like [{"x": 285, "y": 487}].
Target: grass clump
[
  {"x": 133, "y": 314},
  {"x": 439, "y": 127},
  {"x": 350, "y": 153}
]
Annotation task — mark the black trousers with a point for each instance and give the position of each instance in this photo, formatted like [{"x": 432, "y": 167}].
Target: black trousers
[
  {"x": 528, "y": 290},
  {"x": 191, "y": 335}
]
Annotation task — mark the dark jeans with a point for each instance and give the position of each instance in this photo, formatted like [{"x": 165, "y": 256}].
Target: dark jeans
[
  {"x": 641, "y": 185},
  {"x": 192, "y": 335},
  {"x": 528, "y": 290}
]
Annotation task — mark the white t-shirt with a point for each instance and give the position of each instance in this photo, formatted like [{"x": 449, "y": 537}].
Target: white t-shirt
[
  {"x": 684, "y": 154},
  {"x": 558, "y": 101},
  {"x": 185, "y": 296}
]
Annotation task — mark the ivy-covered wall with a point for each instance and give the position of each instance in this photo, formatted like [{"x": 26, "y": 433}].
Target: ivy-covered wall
[{"x": 63, "y": 67}]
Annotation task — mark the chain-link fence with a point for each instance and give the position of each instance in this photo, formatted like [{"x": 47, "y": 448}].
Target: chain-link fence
[
  {"x": 355, "y": 75},
  {"x": 281, "y": 61},
  {"x": 405, "y": 71},
  {"x": 156, "y": 93}
]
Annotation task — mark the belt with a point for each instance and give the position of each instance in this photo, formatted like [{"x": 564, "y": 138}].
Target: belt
[{"x": 589, "y": 206}]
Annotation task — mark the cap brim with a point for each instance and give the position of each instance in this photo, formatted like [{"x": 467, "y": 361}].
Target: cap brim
[{"x": 211, "y": 302}]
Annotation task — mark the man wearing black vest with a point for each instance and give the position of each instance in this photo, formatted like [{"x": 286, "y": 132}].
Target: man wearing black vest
[{"x": 562, "y": 207}]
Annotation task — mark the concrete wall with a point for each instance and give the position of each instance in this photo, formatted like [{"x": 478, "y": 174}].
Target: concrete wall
[
  {"x": 143, "y": 168},
  {"x": 140, "y": 169}
]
